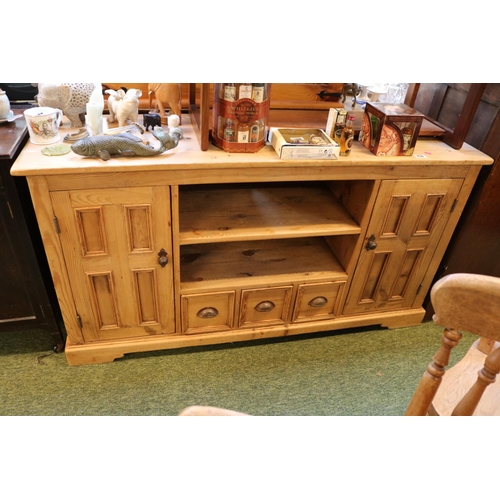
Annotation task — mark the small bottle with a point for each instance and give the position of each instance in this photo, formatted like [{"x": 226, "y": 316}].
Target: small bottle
[
  {"x": 407, "y": 133},
  {"x": 339, "y": 125},
  {"x": 347, "y": 137},
  {"x": 256, "y": 130},
  {"x": 229, "y": 92},
  {"x": 245, "y": 91},
  {"x": 258, "y": 92},
  {"x": 229, "y": 132},
  {"x": 375, "y": 122},
  {"x": 243, "y": 132}
]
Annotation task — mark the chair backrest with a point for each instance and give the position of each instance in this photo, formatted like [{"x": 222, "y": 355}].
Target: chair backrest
[{"x": 462, "y": 303}]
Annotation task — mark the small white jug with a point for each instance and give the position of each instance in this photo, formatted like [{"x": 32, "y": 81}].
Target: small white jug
[{"x": 4, "y": 105}]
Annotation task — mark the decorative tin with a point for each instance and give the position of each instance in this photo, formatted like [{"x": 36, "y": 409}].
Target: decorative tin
[
  {"x": 390, "y": 129},
  {"x": 240, "y": 116}
]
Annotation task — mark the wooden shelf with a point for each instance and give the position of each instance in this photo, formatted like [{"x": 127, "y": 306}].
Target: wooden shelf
[
  {"x": 245, "y": 212},
  {"x": 226, "y": 264}
]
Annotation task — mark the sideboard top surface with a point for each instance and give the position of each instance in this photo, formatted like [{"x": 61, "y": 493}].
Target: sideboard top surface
[{"x": 188, "y": 156}]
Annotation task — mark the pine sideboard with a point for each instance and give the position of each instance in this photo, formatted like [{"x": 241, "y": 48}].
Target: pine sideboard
[{"x": 199, "y": 247}]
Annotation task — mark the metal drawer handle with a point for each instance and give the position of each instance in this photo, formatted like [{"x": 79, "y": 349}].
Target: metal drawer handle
[
  {"x": 207, "y": 313},
  {"x": 265, "y": 306},
  {"x": 318, "y": 301}
]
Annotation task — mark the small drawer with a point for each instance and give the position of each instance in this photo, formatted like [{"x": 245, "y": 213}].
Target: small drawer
[
  {"x": 265, "y": 306},
  {"x": 207, "y": 312},
  {"x": 317, "y": 301}
]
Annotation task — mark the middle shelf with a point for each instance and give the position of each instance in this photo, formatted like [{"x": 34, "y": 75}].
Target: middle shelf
[{"x": 243, "y": 212}]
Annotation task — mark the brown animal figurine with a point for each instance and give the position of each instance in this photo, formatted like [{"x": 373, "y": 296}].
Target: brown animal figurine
[{"x": 167, "y": 95}]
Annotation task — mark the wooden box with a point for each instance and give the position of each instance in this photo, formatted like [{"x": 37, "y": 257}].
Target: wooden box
[
  {"x": 390, "y": 129},
  {"x": 300, "y": 143}
]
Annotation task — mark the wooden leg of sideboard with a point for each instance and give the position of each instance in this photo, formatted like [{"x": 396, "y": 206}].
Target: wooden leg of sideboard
[
  {"x": 411, "y": 318},
  {"x": 108, "y": 351},
  {"x": 88, "y": 354}
]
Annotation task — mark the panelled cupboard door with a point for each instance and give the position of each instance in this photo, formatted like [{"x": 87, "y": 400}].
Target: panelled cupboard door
[
  {"x": 405, "y": 228},
  {"x": 121, "y": 285}
]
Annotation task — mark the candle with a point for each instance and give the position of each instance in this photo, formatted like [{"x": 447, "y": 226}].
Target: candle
[
  {"x": 94, "y": 110},
  {"x": 94, "y": 116}
]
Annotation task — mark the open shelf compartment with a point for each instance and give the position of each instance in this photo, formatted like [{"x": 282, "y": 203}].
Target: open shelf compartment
[
  {"x": 226, "y": 264},
  {"x": 243, "y": 212}
]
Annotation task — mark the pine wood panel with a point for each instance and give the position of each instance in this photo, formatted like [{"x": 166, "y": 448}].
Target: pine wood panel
[{"x": 305, "y": 95}]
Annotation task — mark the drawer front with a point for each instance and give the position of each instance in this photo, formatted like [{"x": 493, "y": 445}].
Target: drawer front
[
  {"x": 207, "y": 312},
  {"x": 265, "y": 306},
  {"x": 317, "y": 301}
]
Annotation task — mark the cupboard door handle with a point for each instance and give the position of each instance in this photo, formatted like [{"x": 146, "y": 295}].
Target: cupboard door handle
[
  {"x": 318, "y": 301},
  {"x": 207, "y": 313},
  {"x": 162, "y": 258},
  {"x": 265, "y": 306},
  {"x": 371, "y": 244}
]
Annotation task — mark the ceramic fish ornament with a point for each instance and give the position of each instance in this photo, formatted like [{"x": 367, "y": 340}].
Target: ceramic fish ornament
[{"x": 126, "y": 144}]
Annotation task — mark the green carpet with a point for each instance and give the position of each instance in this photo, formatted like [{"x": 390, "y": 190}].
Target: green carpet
[{"x": 371, "y": 371}]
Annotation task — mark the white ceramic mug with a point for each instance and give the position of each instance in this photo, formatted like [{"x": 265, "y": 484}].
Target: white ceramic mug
[{"x": 43, "y": 124}]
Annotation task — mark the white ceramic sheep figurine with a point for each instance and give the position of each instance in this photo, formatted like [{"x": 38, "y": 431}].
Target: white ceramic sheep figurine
[{"x": 123, "y": 105}]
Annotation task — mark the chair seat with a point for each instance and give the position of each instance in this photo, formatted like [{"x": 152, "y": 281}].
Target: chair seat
[
  {"x": 209, "y": 411},
  {"x": 457, "y": 381}
]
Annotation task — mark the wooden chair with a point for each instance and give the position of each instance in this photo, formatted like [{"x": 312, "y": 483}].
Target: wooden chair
[
  {"x": 468, "y": 303},
  {"x": 454, "y": 137},
  {"x": 209, "y": 411}
]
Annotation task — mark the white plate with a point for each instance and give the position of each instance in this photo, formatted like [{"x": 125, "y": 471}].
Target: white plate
[{"x": 10, "y": 117}]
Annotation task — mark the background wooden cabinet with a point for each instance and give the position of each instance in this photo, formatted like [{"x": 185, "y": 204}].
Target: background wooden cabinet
[{"x": 27, "y": 298}]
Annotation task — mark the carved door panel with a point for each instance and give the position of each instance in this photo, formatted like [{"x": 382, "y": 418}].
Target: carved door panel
[
  {"x": 406, "y": 225},
  {"x": 111, "y": 240}
]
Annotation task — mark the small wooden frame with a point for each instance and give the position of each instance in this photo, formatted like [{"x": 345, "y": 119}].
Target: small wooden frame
[{"x": 200, "y": 114}]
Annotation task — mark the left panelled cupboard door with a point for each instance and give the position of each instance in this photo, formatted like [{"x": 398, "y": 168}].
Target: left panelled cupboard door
[{"x": 113, "y": 241}]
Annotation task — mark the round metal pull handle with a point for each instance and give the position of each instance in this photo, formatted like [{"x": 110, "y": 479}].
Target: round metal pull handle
[
  {"x": 265, "y": 306},
  {"x": 371, "y": 244},
  {"x": 207, "y": 313},
  {"x": 318, "y": 301},
  {"x": 162, "y": 258}
]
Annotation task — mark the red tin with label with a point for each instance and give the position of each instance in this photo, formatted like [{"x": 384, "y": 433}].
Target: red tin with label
[{"x": 240, "y": 116}]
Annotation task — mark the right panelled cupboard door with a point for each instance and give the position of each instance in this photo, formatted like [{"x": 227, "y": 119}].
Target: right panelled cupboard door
[{"x": 407, "y": 222}]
